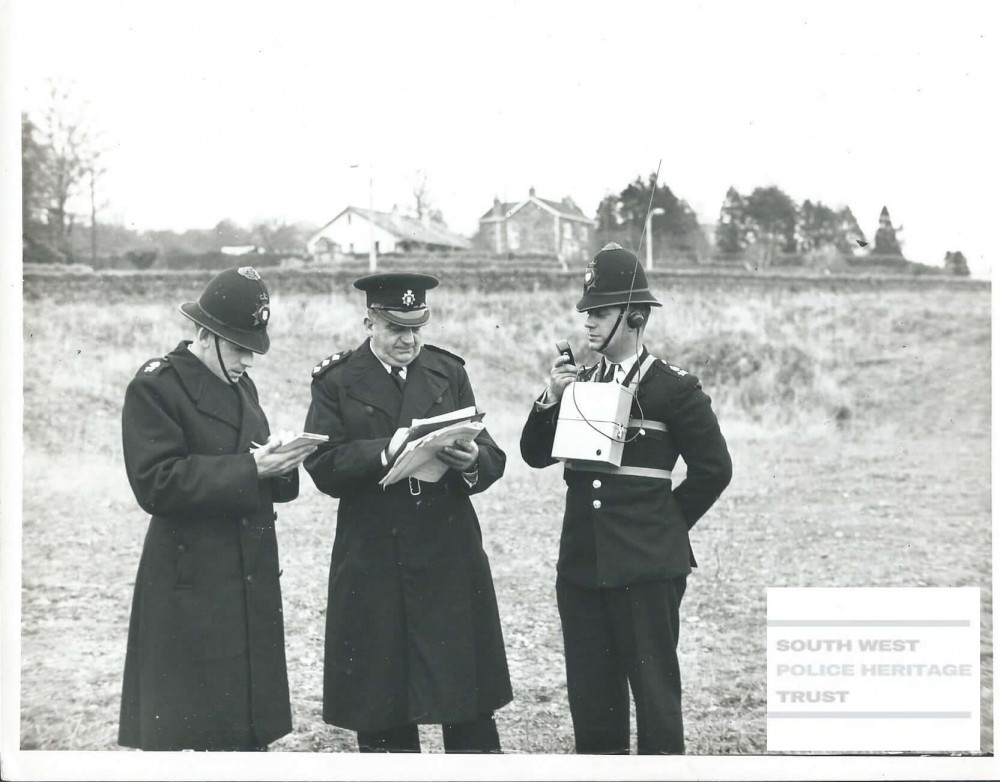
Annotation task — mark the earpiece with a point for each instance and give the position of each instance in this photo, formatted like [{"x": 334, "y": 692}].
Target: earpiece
[{"x": 635, "y": 320}]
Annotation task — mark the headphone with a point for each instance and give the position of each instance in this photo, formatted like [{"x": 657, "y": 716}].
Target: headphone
[{"x": 635, "y": 320}]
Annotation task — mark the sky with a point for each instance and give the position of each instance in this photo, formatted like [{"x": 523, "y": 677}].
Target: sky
[{"x": 289, "y": 111}]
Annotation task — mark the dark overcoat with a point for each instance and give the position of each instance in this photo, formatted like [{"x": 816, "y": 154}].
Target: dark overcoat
[
  {"x": 412, "y": 628},
  {"x": 205, "y": 664},
  {"x": 621, "y": 529}
]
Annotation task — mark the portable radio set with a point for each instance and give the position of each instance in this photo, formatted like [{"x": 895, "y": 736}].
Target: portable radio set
[{"x": 593, "y": 423}]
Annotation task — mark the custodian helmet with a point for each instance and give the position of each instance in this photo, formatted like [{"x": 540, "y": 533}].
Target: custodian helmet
[
  {"x": 236, "y": 307},
  {"x": 615, "y": 276}
]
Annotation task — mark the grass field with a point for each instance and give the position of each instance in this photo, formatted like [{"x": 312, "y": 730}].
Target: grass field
[{"x": 859, "y": 424}]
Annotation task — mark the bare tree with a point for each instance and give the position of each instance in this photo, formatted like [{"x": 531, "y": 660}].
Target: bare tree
[
  {"x": 71, "y": 158},
  {"x": 421, "y": 194}
]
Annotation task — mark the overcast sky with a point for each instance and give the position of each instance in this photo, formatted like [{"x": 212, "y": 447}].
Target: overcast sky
[{"x": 259, "y": 109}]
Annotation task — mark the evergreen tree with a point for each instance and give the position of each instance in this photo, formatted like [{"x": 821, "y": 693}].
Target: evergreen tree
[
  {"x": 771, "y": 221},
  {"x": 730, "y": 236},
  {"x": 886, "y": 242},
  {"x": 955, "y": 263}
]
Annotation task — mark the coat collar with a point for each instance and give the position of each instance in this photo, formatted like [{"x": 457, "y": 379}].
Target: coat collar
[
  {"x": 366, "y": 380},
  {"x": 211, "y": 395}
]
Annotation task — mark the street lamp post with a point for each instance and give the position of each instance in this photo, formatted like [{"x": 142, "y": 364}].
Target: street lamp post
[
  {"x": 649, "y": 235},
  {"x": 372, "y": 255}
]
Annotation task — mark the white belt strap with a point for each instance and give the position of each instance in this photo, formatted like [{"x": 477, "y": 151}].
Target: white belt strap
[
  {"x": 610, "y": 469},
  {"x": 645, "y": 423}
]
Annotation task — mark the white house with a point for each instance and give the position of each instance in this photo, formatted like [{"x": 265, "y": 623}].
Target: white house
[{"x": 351, "y": 232}]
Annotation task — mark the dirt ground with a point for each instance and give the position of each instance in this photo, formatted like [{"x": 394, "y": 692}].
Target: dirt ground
[{"x": 882, "y": 480}]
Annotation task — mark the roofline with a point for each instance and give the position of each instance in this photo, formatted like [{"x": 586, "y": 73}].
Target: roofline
[
  {"x": 404, "y": 236},
  {"x": 541, "y": 205}
]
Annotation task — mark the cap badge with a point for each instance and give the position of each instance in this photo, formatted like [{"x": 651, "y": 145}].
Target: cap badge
[
  {"x": 249, "y": 272},
  {"x": 590, "y": 277},
  {"x": 151, "y": 366},
  {"x": 408, "y": 299},
  {"x": 262, "y": 315}
]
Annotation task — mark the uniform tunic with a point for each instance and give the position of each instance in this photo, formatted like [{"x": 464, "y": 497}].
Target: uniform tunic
[
  {"x": 624, "y": 557},
  {"x": 205, "y": 664},
  {"x": 412, "y": 628}
]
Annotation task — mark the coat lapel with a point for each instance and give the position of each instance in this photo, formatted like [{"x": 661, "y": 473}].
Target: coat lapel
[
  {"x": 252, "y": 422},
  {"x": 211, "y": 395},
  {"x": 367, "y": 381},
  {"x": 426, "y": 381}
]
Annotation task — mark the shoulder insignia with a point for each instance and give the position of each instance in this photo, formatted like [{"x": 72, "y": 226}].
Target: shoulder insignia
[
  {"x": 330, "y": 361},
  {"x": 672, "y": 369},
  {"x": 436, "y": 349},
  {"x": 153, "y": 365}
]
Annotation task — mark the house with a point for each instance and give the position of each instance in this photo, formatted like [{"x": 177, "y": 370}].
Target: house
[
  {"x": 351, "y": 232},
  {"x": 537, "y": 226}
]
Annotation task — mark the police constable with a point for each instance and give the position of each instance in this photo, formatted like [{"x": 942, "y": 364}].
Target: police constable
[
  {"x": 412, "y": 628},
  {"x": 624, "y": 555},
  {"x": 205, "y": 663}
]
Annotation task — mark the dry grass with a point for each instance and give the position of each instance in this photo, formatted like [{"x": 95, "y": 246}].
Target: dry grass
[{"x": 859, "y": 424}]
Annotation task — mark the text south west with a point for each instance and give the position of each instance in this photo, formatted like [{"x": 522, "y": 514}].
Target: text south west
[{"x": 846, "y": 645}]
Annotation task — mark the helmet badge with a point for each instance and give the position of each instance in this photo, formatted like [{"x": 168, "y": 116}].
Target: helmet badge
[
  {"x": 249, "y": 272},
  {"x": 262, "y": 315},
  {"x": 408, "y": 298},
  {"x": 590, "y": 277}
]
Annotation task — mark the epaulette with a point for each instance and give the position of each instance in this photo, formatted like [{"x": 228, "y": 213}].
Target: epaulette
[
  {"x": 435, "y": 348},
  {"x": 330, "y": 361},
  {"x": 153, "y": 366},
  {"x": 673, "y": 370}
]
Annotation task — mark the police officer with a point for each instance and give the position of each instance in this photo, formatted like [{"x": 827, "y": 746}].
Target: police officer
[
  {"x": 624, "y": 555},
  {"x": 412, "y": 629},
  {"x": 205, "y": 663}
]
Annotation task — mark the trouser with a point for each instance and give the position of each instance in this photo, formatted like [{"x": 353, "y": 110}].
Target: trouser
[
  {"x": 618, "y": 637},
  {"x": 478, "y": 735}
]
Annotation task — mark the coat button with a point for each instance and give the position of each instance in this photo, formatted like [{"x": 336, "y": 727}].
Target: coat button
[
  {"x": 245, "y": 522},
  {"x": 181, "y": 548},
  {"x": 597, "y": 504},
  {"x": 275, "y": 516},
  {"x": 249, "y": 579},
  {"x": 597, "y": 484},
  {"x": 438, "y": 400},
  {"x": 393, "y": 531},
  {"x": 369, "y": 409}
]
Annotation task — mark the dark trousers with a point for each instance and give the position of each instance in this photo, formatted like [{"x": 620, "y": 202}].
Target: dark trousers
[
  {"x": 478, "y": 735},
  {"x": 615, "y": 638}
]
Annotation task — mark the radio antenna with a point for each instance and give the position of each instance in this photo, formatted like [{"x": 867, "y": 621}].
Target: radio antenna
[{"x": 642, "y": 235}]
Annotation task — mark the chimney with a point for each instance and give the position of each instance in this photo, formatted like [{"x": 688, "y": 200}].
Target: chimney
[
  {"x": 531, "y": 191},
  {"x": 497, "y": 207}
]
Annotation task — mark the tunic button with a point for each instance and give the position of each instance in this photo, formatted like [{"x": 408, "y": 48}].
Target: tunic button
[
  {"x": 597, "y": 484},
  {"x": 369, "y": 409},
  {"x": 393, "y": 531},
  {"x": 249, "y": 579},
  {"x": 245, "y": 522},
  {"x": 597, "y": 504},
  {"x": 180, "y": 548}
]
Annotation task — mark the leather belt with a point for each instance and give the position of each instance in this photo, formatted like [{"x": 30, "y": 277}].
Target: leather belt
[{"x": 610, "y": 469}]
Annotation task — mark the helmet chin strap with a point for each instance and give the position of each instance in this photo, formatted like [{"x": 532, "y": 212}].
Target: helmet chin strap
[
  {"x": 222, "y": 364},
  {"x": 607, "y": 339}
]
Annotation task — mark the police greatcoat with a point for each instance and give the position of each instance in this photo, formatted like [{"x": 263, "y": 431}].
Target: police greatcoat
[
  {"x": 205, "y": 664},
  {"x": 412, "y": 628},
  {"x": 621, "y": 529}
]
